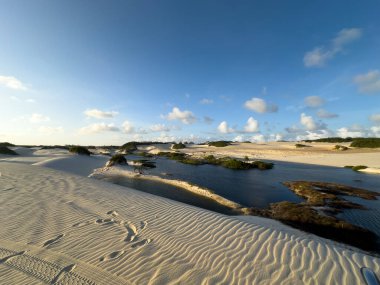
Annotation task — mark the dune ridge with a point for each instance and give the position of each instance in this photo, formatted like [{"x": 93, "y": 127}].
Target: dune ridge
[{"x": 91, "y": 223}]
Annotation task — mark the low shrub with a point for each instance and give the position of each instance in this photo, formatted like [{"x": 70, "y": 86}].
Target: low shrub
[
  {"x": 219, "y": 143},
  {"x": 79, "y": 150},
  {"x": 357, "y": 167},
  {"x": 7, "y": 144},
  {"x": 340, "y": 147},
  {"x": 299, "y": 145},
  {"x": 366, "y": 142},
  {"x": 178, "y": 146},
  {"x": 7, "y": 151},
  {"x": 117, "y": 159},
  {"x": 129, "y": 147}
]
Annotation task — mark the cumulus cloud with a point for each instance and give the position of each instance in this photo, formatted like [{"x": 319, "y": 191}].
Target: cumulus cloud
[
  {"x": 185, "y": 117},
  {"x": 252, "y": 126},
  {"x": 128, "y": 127},
  {"x": 95, "y": 113},
  {"x": 369, "y": 82},
  {"x": 206, "y": 101},
  {"x": 50, "y": 130},
  {"x": 320, "y": 55},
  {"x": 313, "y": 135},
  {"x": 309, "y": 123},
  {"x": 375, "y": 118},
  {"x": 38, "y": 118},
  {"x": 323, "y": 114},
  {"x": 258, "y": 138},
  {"x": 259, "y": 105},
  {"x": 99, "y": 128},
  {"x": 314, "y": 101},
  {"x": 12, "y": 83},
  {"x": 224, "y": 128},
  {"x": 238, "y": 138},
  {"x": 350, "y": 132}
]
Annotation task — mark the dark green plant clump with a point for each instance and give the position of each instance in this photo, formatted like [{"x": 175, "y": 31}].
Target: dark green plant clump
[
  {"x": 55, "y": 146},
  {"x": 129, "y": 147},
  {"x": 144, "y": 154},
  {"x": 366, "y": 142},
  {"x": 117, "y": 159},
  {"x": 7, "y": 151},
  {"x": 340, "y": 147},
  {"x": 7, "y": 144},
  {"x": 357, "y": 167},
  {"x": 331, "y": 140},
  {"x": 178, "y": 146},
  {"x": 79, "y": 150},
  {"x": 299, "y": 145},
  {"x": 219, "y": 143}
]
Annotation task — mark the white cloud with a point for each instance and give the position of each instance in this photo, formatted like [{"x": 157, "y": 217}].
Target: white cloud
[
  {"x": 224, "y": 128},
  {"x": 128, "y": 127},
  {"x": 323, "y": 114},
  {"x": 310, "y": 135},
  {"x": 260, "y": 106},
  {"x": 252, "y": 126},
  {"x": 159, "y": 128},
  {"x": 238, "y": 139},
  {"x": 99, "y": 128},
  {"x": 350, "y": 132},
  {"x": 50, "y": 130},
  {"x": 375, "y": 118},
  {"x": 369, "y": 82},
  {"x": 95, "y": 113},
  {"x": 185, "y": 117},
  {"x": 309, "y": 123},
  {"x": 320, "y": 55},
  {"x": 314, "y": 101},
  {"x": 30, "y": 100},
  {"x": 12, "y": 83},
  {"x": 258, "y": 138},
  {"x": 38, "y": 118},
  {"x": 206, "y": 101},
  {"x": 375, "y": 131}
]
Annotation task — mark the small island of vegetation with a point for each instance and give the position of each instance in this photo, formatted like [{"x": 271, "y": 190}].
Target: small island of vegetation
[
  {"x": 219, "y": 143},
  {"x": 7, "y": 151},
  {"x": 178, "y": 146},
  {"x": 81, "y": 150}
]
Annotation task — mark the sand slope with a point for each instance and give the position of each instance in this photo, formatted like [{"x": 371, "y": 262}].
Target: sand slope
[{"x": 116, "y": 235}]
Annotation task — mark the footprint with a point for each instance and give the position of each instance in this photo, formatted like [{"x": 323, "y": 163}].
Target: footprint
[
  {"x": 143, "y": 224},
  {"x": 141, "y": 243},
  {"x": 112, "y": 255},
  {"x": 113, "y": 213},
  {"x": 81, "y": 224},
  {"x": 131, "y": 232},
  {"x": 54, "y": 240},
  {"x": 105, "y": 221}
]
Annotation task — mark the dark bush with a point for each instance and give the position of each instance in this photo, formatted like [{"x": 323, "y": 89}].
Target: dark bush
[
  {"x": 117, "y": 159},
  {"x": 299, "y": 145},
  {"x": 219, "y": 143},
  {"x": 340, "y": 147},
  {"x": 79, "y": 150},
  {"x": 7, "y": 151},
  {"x": 7, "y": 144},
  {"x": 178, "y": 146},
  {"x": 366, "y": 142}
]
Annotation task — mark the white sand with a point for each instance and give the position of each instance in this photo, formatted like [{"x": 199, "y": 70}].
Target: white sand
[{"x": 53, "y": 220}]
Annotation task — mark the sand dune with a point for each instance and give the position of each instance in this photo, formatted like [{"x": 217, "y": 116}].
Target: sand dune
[{"x": 66, "y": 229}]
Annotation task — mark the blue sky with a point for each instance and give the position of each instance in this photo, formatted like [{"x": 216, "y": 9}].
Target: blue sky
[{"x": 107, "y": 72}]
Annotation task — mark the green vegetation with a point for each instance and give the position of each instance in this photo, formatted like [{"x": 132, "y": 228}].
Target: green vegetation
[
  {"x": 332, "y": 140},
  {"x": 144, "y": 154},
  {"x": 299, "y": 145},
  {"x": 178, "y": 146},
  {"x": 366, "y": 142},
  {"x": 55, "y": 146},
  {"x": 306, "y": 218},
  {"x": 6, "y": 144},
  {"x": 226, "y": 162},
  {"x": 7, "y": 151},
  {"x": 340, "y": 147},
  {"x": 357, "y": 167},
  {"x": 117, "y": 159},
  {"x": 79, "y": 150},
  {"x": 129, "y": 147},
  {"x": 219, "y": 143}
]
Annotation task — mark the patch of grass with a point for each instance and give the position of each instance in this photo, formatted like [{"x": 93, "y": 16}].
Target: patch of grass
[
  {"x": 357, "y": 167},
  {"x": 299, "y": 145},
  {"x": 128, "y": 147},
  {"x": 172, "y": 155},
  {"x": 340, "y": 147},
  {"x": 178, "y": 146},
  {"x": 144, "y": 154},
  {"x": 7, "y": 151},
  {"x": 366, "y": 142},
  {"x": 117, "y": 159},
  {"x": 79, "y": 150},
  {"x": 6, "y": 144},
  {"x": 219, "y": 143}
]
